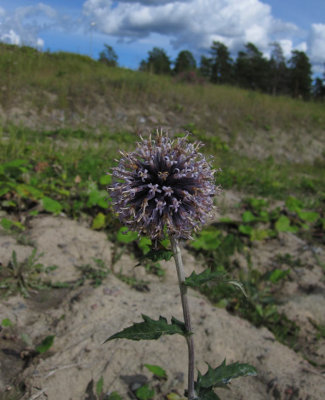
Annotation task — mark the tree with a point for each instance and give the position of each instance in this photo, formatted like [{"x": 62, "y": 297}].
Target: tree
[
  {"x": 252, "y": 69},
  {"x": 278, "y": 70},
  {"x": 300, "y": 74},
  {"x": 158, "y": 62},
  {"x": 108, "y": 56},
  {"x": 185, "y": 61},
  {"x": 205, "y": 67},
  {"x": 221, "y": 63},
  {"x": 319, "y": 89}
]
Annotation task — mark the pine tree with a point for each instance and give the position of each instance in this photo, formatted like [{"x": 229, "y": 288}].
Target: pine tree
[
  {"x": 185, "y": 61},
  {"x": 221, "y": 64},
  {"x": 300, "y": 74}
]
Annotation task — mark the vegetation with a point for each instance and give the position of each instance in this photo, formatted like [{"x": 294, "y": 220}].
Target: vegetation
[
  {"x": 62, "y": 171},
  {"x": 250, "y": 70}
]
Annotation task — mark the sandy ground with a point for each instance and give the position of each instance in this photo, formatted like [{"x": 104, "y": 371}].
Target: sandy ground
[{"x": 82, "y": 318}]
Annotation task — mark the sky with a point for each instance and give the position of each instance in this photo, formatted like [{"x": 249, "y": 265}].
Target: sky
[{"x": 134, "y": 27}]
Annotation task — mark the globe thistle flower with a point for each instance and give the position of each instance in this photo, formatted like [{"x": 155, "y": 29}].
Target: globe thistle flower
[{"x": 164, "y": 186}]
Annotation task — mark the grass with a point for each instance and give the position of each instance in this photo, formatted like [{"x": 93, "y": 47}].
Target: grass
[{"x": 75, "y": 82}]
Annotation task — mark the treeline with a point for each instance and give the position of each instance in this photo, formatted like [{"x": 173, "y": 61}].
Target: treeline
[{"x": 250, "y": 70}]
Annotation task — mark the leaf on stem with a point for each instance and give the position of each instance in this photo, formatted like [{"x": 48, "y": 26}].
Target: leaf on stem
[
  {"x": 150, "y": 329},
  {"x": 195, "y": 280},
  {"x": 221, "y": 376}
]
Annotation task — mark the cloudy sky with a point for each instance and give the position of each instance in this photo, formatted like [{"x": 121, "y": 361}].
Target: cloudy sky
[{"x": 135, "y": 27}]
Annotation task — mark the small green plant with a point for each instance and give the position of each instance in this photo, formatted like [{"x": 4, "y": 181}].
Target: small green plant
[
  {"x": 95, "y": 272},
  {"x": 22, "y": 276}
]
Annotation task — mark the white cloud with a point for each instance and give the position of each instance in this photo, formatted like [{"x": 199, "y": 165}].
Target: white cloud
[
  {"x": 287, "y": 47},
  {"x": 10, "y": 37},
  {"x": 193, "y": 24},
  {"x": 24, "y": 25},
  {"x": 316, "y": 44}
]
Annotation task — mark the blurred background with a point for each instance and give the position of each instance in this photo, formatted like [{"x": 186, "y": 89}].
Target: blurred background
[{"x": 79, "y": 81}]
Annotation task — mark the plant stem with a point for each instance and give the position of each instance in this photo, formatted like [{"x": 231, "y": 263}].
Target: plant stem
[{"x": 186, "y": 313}]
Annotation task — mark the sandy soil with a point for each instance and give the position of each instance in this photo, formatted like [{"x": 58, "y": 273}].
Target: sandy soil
[{"x": 82, "y": 318}]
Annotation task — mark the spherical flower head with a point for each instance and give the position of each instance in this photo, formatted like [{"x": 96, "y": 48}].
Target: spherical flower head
[{"x": 164, "y": 187}]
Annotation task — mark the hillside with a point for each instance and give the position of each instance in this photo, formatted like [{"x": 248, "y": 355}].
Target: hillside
[{"x": 67, "y": 271}]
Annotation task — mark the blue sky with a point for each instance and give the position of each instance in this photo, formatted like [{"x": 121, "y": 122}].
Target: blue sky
[{"x": 135, "y": 27}]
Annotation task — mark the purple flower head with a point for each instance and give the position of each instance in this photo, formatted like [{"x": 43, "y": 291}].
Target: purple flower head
[{"x": 164, "y": 187}]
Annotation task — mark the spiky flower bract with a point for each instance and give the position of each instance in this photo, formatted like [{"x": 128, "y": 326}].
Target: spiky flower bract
[{"x": 164, "y": 187}]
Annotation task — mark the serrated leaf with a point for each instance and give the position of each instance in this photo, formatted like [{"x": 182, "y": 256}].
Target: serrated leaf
[
  {"x": 45, "y": 345},
  {"x": 145, "y": 393},
  {"x": 150, "y": 329},
  {"x": 196, "y": 280},
  {"x": 125, "y": 236},
  {"x": 156, "y": 370},
  {"x": 51, "y": 205},
  {"x": 99, "y": 221},
  {"x": 223, "y": 374},
  {"x": 99, "y": 386}
]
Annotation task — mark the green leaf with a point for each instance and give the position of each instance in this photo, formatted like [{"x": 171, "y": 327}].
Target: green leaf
[
  {"x": 125, "y": 236},
  {"x": 208, "y": 394},
  {"x": 248, "y": 216},
  {"x": 207, "y": 240},
  {"x": 158, "y": 255},
  {"x": 98, "y": 198},
  {"x": 8, "y": 224},
  {"x": 144, "y": 244},
  {"x": 145, "y": 393},
  {"x": 150, "y": 329},
  {"x": 260, "y": 234},
  {"x": 222, "y": 375},
  {"x": 51, "y": 205},
  {"x": 4, "y": 190},
  {"x": 293, "y": 204},
  {"x": 105, "y": 179},
  {"x": 114, "y": 396},
  {"x": 174, "y": 396},
  {"x": 277, "y": 274},
  {"x": 28, "y": 191},
  {"x": 196, "y": 280},
  {"x": 99, "y": 386},
  {"x": 245, "y": 229},
  {"x": 99, "y": 221},
  {"x": 45, "y": 345},
  {"x": 283, "y": 225},
  {"x": 157, "y": 371},
  {"x": 308, "y": 216},
  {"x": 6, "y": 322}
]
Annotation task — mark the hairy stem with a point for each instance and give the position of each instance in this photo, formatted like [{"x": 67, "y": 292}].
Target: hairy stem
[{"x": 186, "y": 314}]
